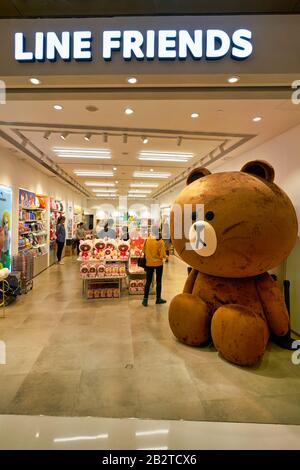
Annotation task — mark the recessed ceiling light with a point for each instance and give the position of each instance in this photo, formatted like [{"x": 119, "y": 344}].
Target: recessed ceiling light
[
  {"x": 35, "y": 81},
  {"x": 257, "y": 119},
  {"x": 115, "y": 168},
  {"x": 99, "y": 183},
  {"x": 66, "y": 152},
  {"x": 87, "y": 137},
  {"x": 151, "y": 174},
  {"x": 139, "y": 191},
  {"x": 117, "y": 182},
  {"x": 144, "y": 185},
  {"x": 165, "y": 156},
  {"x": 132, "y": 80},
  {"x": 104, "y": 190},
  {"x": 233, "y": 79},
  {"x": 129, "y": 111},
  {"x": 194, "y": 115},
  {"x": 145, "y": 140},
  {"x": 58, "y": 107},
  {"x": 93, "y": 173}
]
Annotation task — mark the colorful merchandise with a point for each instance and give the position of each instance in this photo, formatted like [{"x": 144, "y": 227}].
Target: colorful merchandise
[
  {"x": 5, "y": 226},
  {"x": 250, "y": 226},
  {"x": 99, "y": 247},
  {"x": 123, "y": 249},
  {"x": 136, "y": 246},
  {"x": 86, "y": 249}
]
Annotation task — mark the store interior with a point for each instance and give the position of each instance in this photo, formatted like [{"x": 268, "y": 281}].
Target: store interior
[{"x": 81, "y": 344}]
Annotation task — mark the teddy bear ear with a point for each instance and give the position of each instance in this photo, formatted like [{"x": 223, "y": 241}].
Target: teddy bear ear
[
  {"x": 196, "y": 174},
  {"x": 261, "y": 169}
]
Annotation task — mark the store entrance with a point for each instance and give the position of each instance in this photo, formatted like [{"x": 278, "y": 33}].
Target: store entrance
[{"x": 107, "y": 168}]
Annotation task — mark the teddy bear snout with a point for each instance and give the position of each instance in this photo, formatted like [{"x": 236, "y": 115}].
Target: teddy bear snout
[{"x": 203, "y": 238}]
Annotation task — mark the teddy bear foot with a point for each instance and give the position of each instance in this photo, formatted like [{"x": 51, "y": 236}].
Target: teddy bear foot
[
  {"x": 189, "y": 319},
  {"x": 239, "y": 334}
]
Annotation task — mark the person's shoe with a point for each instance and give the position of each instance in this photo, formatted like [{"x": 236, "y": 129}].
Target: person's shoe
[
  {"x": 145, "y": 302},
  {"x": 61, "y": 262},
  {"x": 161, "y": 301}
]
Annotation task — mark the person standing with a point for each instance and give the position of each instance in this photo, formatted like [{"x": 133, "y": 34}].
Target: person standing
[
  {"x": 80, "y": 235},
  {"x": 60, "y": 238},
  {"x": 154, "y": 251}
]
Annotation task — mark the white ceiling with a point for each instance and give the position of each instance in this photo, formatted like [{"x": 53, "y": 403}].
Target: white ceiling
[{"x": 160, "y": 120}]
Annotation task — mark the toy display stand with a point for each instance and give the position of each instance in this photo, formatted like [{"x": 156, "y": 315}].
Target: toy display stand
[{"x": 104, "y": 286}]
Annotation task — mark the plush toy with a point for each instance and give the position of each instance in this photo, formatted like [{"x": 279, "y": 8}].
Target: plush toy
[
  {"x": 93, "y": 270},
  {"x": 110, "y": 246},
  {"x": 101, "y": 270},
  {"x": 123, "y": 248},
  {"x": 248, "y": 226},
  {"x": 99, "y": 246},
  {"x": 86, "y": 249},
  {"x": 84, "y": 270}
]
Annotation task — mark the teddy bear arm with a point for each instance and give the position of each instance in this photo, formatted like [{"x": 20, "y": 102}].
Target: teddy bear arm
[
  {"x": 189, "y": 283},
  {"x": 273, "y": 304}
]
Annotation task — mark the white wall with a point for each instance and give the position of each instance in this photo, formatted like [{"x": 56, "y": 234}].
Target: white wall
[
  {"x": 16, "y": 174},
  {"x": 283, "y": 152}
]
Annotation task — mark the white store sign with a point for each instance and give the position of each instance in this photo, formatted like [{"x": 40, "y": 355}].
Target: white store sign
[{"x": 210, "y": 44}]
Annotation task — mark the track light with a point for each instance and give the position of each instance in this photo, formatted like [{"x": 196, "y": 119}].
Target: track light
[
  {"x": 87, "y": 137},
  {"x": 64, "y": 135},
  {"x": 47, "y": 135},
  {"x": 105, "y": 137},
  {"x": 125, "y": 138},
  {"x": 179, "y": 140}
]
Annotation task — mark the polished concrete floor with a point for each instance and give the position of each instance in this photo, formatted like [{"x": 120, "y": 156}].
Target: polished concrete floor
[{"x": 114, "y": 358}]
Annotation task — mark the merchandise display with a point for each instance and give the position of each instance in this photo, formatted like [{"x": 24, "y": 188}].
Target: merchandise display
[
  {"x": 5, "y": 226},
  {"x": 104, "y": 249},
  {"x": 250, "y": 227},
  {"x": 33, "y": 233}
]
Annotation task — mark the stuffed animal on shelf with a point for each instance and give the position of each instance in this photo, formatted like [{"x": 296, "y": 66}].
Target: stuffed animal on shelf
[
  {"x": 247, "y": 227},
  {"x": 123, "y": 248},
  {"x": 93, "y": 270},
  {"x": 99, "y": 247},
  {"x": 86, "y": 249},
  {"x": 110, "y": 247},
  {"x": 84, "y": 270},
  {"x": 101, "y": 270}
]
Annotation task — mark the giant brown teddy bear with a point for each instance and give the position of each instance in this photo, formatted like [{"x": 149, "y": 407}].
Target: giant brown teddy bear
[{"x": 248, "y": 227}]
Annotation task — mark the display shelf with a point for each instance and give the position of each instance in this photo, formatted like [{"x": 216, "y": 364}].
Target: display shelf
[
  {"x": 102, "y": 261},
  {"x": 39, "y": 209}
]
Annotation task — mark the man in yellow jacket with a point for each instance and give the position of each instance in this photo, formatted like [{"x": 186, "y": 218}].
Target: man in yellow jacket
[{"x": 154, "y": 251}]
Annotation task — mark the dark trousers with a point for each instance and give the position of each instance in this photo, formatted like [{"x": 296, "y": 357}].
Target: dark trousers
[
  {"x": 60, "y": 247},
  {"x": 77, "y": 246},
  {"x": 149, "y": 276}
]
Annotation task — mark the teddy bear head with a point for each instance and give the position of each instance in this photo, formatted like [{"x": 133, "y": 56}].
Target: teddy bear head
[
  {"x": 233, "y": 224},
  {"x": 99, "y": 245},
  {"x": 124, "y": 246},
  {"x": 86, "y": 246}
]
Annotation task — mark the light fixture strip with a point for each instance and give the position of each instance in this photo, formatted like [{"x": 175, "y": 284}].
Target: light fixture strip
[
  {"x": 104, "y": 190},
  {"x": 167, "y": 154},
  {"x": 81, "y": 151},
  {"x": 160, "y": 159},
  {"x": 144, "y": 185},
  {"x": 98, "y": 183}
]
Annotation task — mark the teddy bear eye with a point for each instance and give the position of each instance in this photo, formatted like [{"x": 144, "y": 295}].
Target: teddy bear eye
[{"x": 209, "y": 215}]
